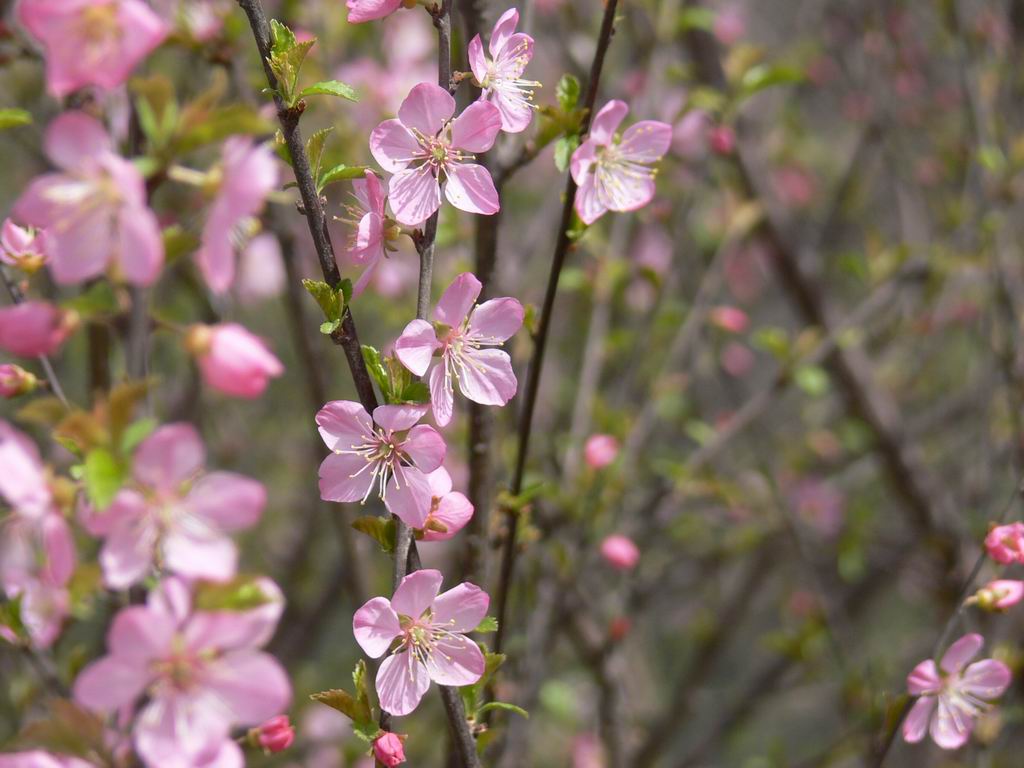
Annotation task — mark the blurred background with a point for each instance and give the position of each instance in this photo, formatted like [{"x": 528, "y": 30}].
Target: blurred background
[{"x": 808, "y": 350}]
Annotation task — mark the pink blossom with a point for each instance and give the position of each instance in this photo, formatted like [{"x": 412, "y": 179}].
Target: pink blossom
[
  {"x": 690, "y": 134},
  {"x": 820, "y": 503},
  {"x": 37, "y": 758},
  {"x": 390, "y": 452},
  {"x": 587, "y": 751},
  {"x": 793, "y": 186},
  {"x": 173, "y": 512},
  {"x": 600, "y": 451},
  {"x": 15, "y": 381},
  {"x": 449, "y": 510},
  {"x": 425, "y": 135},
  {"x": 953, "y": 694},
  {"x": 202, "y": 673},
  {"x": 432, "y": 631},
  {"x": 275, "y": 735},
  {"x": 26, "y": 248},
  {"x": 1005, "y": 543},
  {"x": 388, "y": 749},
  {"x": 261, "y": 272},
  {"x": 91, "y": 42},
  {"x": 722, "y": 139},
  {"x": 999, "y": 595},
  {"x": 615, "y": 174},
  {"x": 371, "y": 10},
  {"x": 246, "y": 175},
  {"x": 460, "y": 336},
  {"x": 731, "y": 319},
  {"x": 373, "y": 231},
  {"x": 232, "y": 360},
  {"x": 37, "y": 551},
  {"x": 501, "y": 75},
  {"x": 737, "y": 360},
  {"x": 34, "y": 328},
  {"x": 730, "y": 25},
  {"x": 95, "y": 210},
  {"x": 620, "y": 552}
]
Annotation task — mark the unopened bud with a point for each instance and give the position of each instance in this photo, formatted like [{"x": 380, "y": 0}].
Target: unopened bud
[
  {"x": 388, "y": 749},
  {"x": 15, "y": 380},
  {"x": 998, "y": 595},
  {"x": 198, "y": 339},
  {"x": 275, "y": 735}
]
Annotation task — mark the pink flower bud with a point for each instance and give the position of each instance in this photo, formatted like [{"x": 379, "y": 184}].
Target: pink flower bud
[
  {"x": 731, "y": 319},
  {"x": 600, "y": 451},
  {"x": 620, "y": 552},
  {"x": 737, "y": 360},
  {"x": 388, "y": 749},
  {"x": 722, "y": 139},
  {"x": 729, "y": 25},
  {"x": 1005, "y": 543},
  {"x": 276, "y": 735},
  {"x": 23, "y": 247},
  {"x": 999, "y": 595},
  {"x": 15, "y": 380},
  {"x": 232, "y": 360},
  {"x": 35, "y": 328}
]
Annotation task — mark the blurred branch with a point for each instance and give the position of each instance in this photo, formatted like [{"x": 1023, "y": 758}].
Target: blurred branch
[{"x": 529, "y": 400}]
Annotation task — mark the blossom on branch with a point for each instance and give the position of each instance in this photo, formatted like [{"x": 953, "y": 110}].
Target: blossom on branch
[
  {"x": 501, "y": 75},
  {"x": 463, "y": 336},
  {"x": 431, "y": 633},
  {"x": 615, "y": 173},
  {"x": 424, "y": 148}
]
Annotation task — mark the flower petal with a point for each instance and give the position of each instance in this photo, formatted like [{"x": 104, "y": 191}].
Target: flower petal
[
  {"x": 416, "y": 593},
  {"x": 416, "y": 346},
  {"x": 401, "y": 683},
  {"x": 398, "y": 418},
  {"x": 228, "y": 500},
  {"x": 455, "y": 660},
  {"x": 924, "y": 678},
  {"x": 477, "y": 59},
  {"x": 503, "y": 29},
  {"x": 960, "y": 652},
  {"x": 141, "y": 247},
  {"x": 74, "y": 138},
  {"x": 344, "y": 424},
  {"x": 477, "y": 127},
  {"x": 606, "y": 122},
  {"x": 200, "y": 554},
  {"x": 168, "y": 457},
  {"x": 470, "y": 188},
  {"x": 458, "y": 299},
  {"x": 344, "y": 477},
  {"x": 426, "y": 108},
  {"x": 393, "y": 145},
  {"x": 486, "y": 377},
  {"x": 588, "y": 204},
  {"x": 987, "y": 679},
  {"x": 646, "y": 141},
  {"x": 496, "y": 320},
  {"x": 951, "y": 725},
  {"x": 442, "y": 398},
  {"x": 415, "y": 195},
  {"x": 110, "y": 683},
  {"x": 916, "y": 724},
  {"x": 375, "y": 626},
  {"x": 425, "y": 447},
  {"x": 454, "y": 511},
  {"x": 461, "y": 608},
  {"x": 252, "y": 686},
  {"x": 408, "y": 496}
]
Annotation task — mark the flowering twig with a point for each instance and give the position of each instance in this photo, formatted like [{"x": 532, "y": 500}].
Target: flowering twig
[
  {"x": 316, "y": 218},
  {"x": 540, "y": 342}
]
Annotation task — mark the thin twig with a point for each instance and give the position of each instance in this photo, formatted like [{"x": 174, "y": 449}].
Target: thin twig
[{"x": 529, "y": 402}]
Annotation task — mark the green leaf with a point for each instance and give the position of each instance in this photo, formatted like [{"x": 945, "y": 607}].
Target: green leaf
[
  {"x": 503, "y": 705},
  {"x": 568, "y": 92},
  {"x": 330, "y": 88},
  {"x": 345, "y": 286},
  {"x": 135, "y": 433},
  {"x": 243, "y": 593},
  {"x": 696, "y": 18},
  {"x": 178, "y": 242},
  {"x": 340, "y": 172},
  {"x": 487, "y": 624},
  {"x": 762, "y": 76},
  {"x": 415, "y": 392},
  {"x": 343, "y": 701},
  {"x": 286, "y": 58},
  {"x": 282, "y": 39},
  {"x": 104, "y": 476},
  {"x": 10, "y": 617},
  {"x": 564, "y": 148},
  {"x": 99, "y": 299},
  {"x": 380, "y": 529},
  {"x": 812, "y": 379},
  {"x": 327, "y": 297},
  {"x": 327, "y": 327},
  {"x": 315, "y": 149},
  {"x": 13, "y": 117},
  {"x": 375, "y": 365}
]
